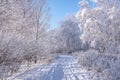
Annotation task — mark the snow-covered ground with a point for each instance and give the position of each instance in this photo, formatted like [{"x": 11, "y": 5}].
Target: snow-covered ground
[{"x": 65, "y": 67}]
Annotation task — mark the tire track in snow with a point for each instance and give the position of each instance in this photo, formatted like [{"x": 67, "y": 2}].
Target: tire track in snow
[{"x": 63, "y": 68}]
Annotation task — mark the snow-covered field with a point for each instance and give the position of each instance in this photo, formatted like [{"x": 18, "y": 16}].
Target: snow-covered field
[{"x": 65, "y": 67}]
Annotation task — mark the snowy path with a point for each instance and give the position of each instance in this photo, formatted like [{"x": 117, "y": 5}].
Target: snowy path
[{"x": 63, "y": 68}]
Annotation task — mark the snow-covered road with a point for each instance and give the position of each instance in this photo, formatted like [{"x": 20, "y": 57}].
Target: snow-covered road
[{"x": 65, "y": 67}]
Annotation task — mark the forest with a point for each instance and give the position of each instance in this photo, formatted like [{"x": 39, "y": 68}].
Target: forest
[{"x": 92, "y": 36}]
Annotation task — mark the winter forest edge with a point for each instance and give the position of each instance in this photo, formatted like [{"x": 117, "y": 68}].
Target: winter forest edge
[{"x": 92, "y": 36}]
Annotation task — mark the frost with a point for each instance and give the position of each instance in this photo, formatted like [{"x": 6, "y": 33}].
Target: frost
[{"x": 103, "y": 66}]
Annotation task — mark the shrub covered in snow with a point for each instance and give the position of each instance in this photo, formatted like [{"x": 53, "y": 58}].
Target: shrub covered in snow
[{"x": 103, "y": 66}]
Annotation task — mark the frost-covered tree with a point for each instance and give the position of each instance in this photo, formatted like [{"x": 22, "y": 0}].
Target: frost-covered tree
[
  {"x": 23, "y": 24},
  {"x": 100, "y": 24},
  {"x": 65, "y": 38}
]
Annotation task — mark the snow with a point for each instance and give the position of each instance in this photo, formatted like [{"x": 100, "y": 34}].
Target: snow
[
  {"x": 64, "y": 67},
  {"x": 102, "y": 66},
  {"x": 26, "y": 38}
]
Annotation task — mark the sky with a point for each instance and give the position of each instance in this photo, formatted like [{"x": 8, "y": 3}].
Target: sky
[{"x": 60, "y": 8}]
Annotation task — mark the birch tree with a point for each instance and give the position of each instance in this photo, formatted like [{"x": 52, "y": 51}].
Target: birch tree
[
  {"x": 23, "y": 24},
  {"x": 100, "y": 24}
]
